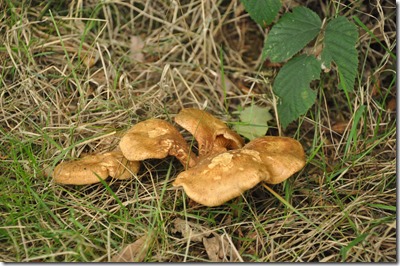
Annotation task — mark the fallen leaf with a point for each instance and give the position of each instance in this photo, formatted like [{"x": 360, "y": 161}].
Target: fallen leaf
[
  {"x": 219, "y": 249},
  {"x": 190, "y": 230},
  {"x": 376, "y": 88},
  {"x": 340, "y": 127},
  {"x": 228, "y": 84},
  {"x": 391, "y": 105},
  {"x": 212, "y": 246},
  {"x": 253, "y": 122},
  {"x": 135, "y": 252},
  {"x": 136, "y": 48}
]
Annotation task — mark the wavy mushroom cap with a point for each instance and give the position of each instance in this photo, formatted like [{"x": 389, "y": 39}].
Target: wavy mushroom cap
[
  {"x": 283, "y": 156},
  {"x": 220, "y": 178},
  {"x": 155, "y": 139},
  {"x": 224, "y": 176},
  {"x": 91, "y": 168},
  {"x": 212, "y": 135}
]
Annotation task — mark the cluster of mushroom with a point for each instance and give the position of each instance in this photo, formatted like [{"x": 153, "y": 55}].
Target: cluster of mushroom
[{"x": 223, "y": 168}]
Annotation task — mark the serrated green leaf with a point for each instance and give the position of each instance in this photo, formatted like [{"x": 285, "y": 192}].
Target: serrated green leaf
[
  {"x": 291, "y": 34},
  {"x": 339, "y": 46},
  {"x": 292, "y": 86},
  {"x": 262, "y": 11},
  {"x": 254, "y": 122}
]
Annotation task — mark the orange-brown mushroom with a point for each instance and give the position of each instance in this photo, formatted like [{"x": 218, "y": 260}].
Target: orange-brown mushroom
[
  {"x": 282, "y": 156},
  {"x": 156, "y": 139},
  {"x": 217, "y": 179},
  {"x": 226, "y": 175},
  {"x": 91, "y": 168},
  {"x": 212, "y": 135}
]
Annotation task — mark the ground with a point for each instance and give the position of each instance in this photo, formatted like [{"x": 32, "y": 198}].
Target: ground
[{"x": 76, "y": 74}]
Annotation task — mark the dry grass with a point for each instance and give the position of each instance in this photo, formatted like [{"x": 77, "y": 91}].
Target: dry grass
[{"x": 58, "y": 102}]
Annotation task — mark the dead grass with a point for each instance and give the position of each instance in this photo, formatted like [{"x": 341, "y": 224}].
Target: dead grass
[{"x": 71, "y": 82}]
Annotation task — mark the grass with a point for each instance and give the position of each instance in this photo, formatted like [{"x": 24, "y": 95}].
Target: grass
[{"x": 58, "y": 103}]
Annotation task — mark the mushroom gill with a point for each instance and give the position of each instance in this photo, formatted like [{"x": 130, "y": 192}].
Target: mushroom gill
[{"x": 212, "y": 135}]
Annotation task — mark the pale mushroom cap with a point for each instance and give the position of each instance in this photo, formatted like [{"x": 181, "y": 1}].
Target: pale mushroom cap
[
  {"x": 89, "y": 169},
  {"x": 212, "y": 134},
  {"x": 220, "y": 178},
  {"x": 282, "y": 156},
  {"x": 155, "y": 139}
]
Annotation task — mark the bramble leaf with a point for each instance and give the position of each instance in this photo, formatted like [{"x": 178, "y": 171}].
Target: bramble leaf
[
  {"x": 292, "y": 86},
  {"x": 262, "y": 11},
  {"x": 339, "y": 46},
  {"x": 254, "y": 122},
  {"x": 291, "y": 34}
]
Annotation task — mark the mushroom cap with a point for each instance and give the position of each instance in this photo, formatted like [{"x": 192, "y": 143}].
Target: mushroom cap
[
  {"x": 226, "y": 175},
  {"x": 217, "y": 179},
  {"x": 283, "y": 156},
  {"x": 212, "y": 134},
  {"x": 90, "y": 168},
  {"x": 155, "y": 139},
  {"x": 119, "y": 167}
]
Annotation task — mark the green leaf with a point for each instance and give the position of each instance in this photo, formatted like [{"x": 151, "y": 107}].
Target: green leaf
[
  {"x": 254, "y": 122},
  {"x": 339, "y": 46},
  {"x": 292, "y": 86},
  {"x": 291, "y": 34},
  {"x": 262, "y": 11}
]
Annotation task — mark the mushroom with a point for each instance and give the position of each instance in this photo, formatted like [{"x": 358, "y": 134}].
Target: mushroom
[
  {"x": 283, "y": 156},
  {"x": 212, "y": 135},
  {"x": 156, "y": 139},
  {"x": 91, "y": 168},
  {"x": 226, "y": 175}
]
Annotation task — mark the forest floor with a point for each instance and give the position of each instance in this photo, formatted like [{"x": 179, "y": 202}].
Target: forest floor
[{"x": 75, "y": 75}]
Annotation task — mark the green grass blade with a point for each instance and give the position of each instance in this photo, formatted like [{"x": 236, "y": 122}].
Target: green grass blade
[{"x": 346, "y": 249}]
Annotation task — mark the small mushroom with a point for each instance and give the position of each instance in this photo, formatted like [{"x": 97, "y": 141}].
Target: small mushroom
[
  {"x": 91, "y": 168},
  {"x": 156, "y": 139},
  {"x": 226, "y": 175},
  {"x": 212, "y": 135}
]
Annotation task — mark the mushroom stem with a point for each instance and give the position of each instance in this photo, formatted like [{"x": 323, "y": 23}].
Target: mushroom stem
[
  {"x": 182, "y": 152},
  {"x": 212, "y": 135}
]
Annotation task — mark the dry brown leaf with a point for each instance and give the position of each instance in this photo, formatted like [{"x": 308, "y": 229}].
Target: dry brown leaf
[
  {"x": 376, "y": 88},
  {"x": 340, "y": 127},
  {"x": 136, "y": 47},
  {"x": 219, "y": 249},
  {"x": 190, "y": 230},
  {"x": 212, "y": 246},
  {"x": 135, "y": 252},
  {"x": 391, "y": 105}
]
